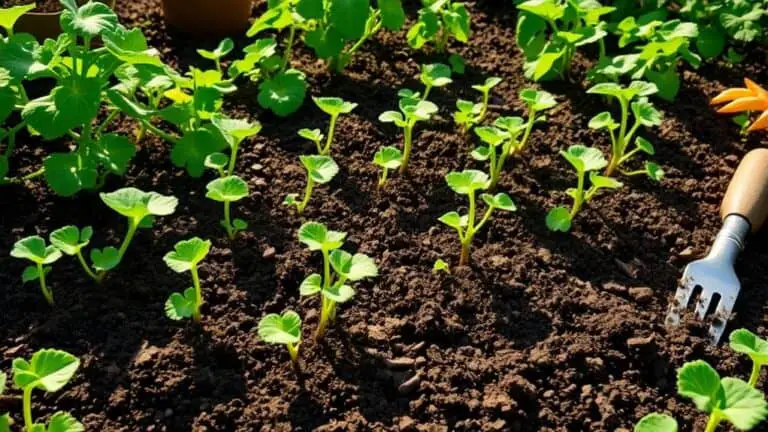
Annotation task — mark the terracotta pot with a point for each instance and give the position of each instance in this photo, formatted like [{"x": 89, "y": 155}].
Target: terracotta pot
[
  {"x": 208, "y": 17},
  {"x": 45, "y": 25}
]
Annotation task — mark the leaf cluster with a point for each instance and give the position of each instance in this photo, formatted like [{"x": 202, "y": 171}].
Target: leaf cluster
[{"x": 438, "y": 21}]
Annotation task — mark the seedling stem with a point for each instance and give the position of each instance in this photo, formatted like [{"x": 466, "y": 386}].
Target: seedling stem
[
  {"x": 407, "y": 147},
  {"x": 27, "y": 402},
  {"x": 46, "y": 292},
  {"x": 198, "y": 293}
]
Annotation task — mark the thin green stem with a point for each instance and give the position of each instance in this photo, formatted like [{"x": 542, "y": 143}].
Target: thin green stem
[
  {"x": 46, "y": 292},
  {"x": 132, "y": 227},
  {"x": 86, "y": 267},
  {"x": 495, "y": 171},
  {"x": 383, "y": 177},
  {"x": 157, "y": 131},
  {"x": 27, "y": 408},
  {"x": 307, "y": 194},
  {"x": 484, "y": 111},
  {"x": 233, "y": 159},
  {"x": 755, "y": 374},
  {"x": 293, "y": 351},
  {"x": 198, "y": 293},
  {"x": 408, "y": 143},
  {"x": 620, "y": 145},
  {"x": 714, "y": 421},
  {"x": 527, "y": 134},
  {"x": 228, "y": 220},
  {"x": 30, "y": 176},
  {"x": 324, "y": 302},
  {"x": 329, "y": 139},
  {"x": 427, "y": 89},
  {"x": 578, "y": 200},
  {"x": 289, "y": 48},
  {"x": 485, "y": 219},
  {"x": 106, "y": 122}
]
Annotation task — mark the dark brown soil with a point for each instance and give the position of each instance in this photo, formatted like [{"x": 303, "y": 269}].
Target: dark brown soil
[
  {"x": 545, "y": 332},
  {"x": 42, "y": 5}
]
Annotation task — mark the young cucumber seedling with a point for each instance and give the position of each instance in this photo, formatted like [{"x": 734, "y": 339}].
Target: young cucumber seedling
[
  {"x": 34, "y": 249},
  {"x": 468, "y": 182},
  {"x": 387, "y": 158},
  {"x": 645, "y": 115},
  {"x": 71, "y": 241},
  {"x": 282, "y": 329},
  {"x": 509, "y": 135},
  {"x": 438, "y": 21},
  {"x": 334, "y": 107},
  {"x": 48, "y": 370},
  {"x": 470, "y": 114},
  {"x": 185, "y": 257},
  {"x": 745, "y": 342},
  {"x": 228, "y": 190},
  {"x": 320, "y": 170},
  {"x": 332, "y": 286},
  {"x": 584, "y": 160},
  {"x": 234, "y": 131}
]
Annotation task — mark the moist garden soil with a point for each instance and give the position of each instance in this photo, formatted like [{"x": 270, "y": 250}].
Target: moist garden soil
[{"x": 544, "y": 332}]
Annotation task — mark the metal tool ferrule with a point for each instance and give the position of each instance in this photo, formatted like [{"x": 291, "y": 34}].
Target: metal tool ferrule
[{"x": 730, "y": 240}]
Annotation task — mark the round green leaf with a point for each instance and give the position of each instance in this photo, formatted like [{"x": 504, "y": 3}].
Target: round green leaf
[
  {"x": 321, "y": 169},
  {"x": 312, "y": 285},
  {"x": 745, "y": 342},
  {"x": 91, "y": 19},
  {"x": 227, "y": 189},
  {"x": 585, "y": 158},
  {"x": 187, "y": 254},
  {"x": 698, "y": 381},
  {"x": 48, "y": 370},
  {"x": 559, "y": 219},
  {"x": 34, "y": 249},
  {"x": 604, "y": 120},
  {"x": 334, "y": 106},
  {"x": 467, "y": 181},
  {"x": 105, "y": 259},
  {"x": 180, "y": 306},
  {"x": 281, "y": 329},
  {"x": 317, "y": 237},
  {"x": 645, "y": 145},
  {"x": 216, "y": 161},
  {"x": 491, "y": 135},
  {"x": 136, "y": 204},
  {"x": 711, "y": 42},
  {"x": 235, "y": 131},
  {"x": 654, "y": 171},
  {"x": 436, "y": 75},
  {"x": 388, "y": 157},
  {"x": 350, "y": 17},
  {"x": 339, "y": 293},
  {"x": 314, "y": 135},
  {"x": 70, "y": 240},
  {"x": 743, "y": 405},
  {"x": 284, "y": 93},
  {"x": 538, "y": 100},
  {"x": 656, "y": 423},
  {"x": 500, "y": 201},
  {"x": 64, "y": 422},
  {"x": 453, "y": 220},
  {"x": 353, "y": 267},
  {"x": 646, "y": 113}
]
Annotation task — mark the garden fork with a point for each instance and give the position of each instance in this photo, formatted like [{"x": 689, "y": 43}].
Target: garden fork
[{"x": 744, "y": 209}]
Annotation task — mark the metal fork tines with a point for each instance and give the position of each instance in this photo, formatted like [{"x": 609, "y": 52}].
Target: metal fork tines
[{"x": 713, "y": 279}]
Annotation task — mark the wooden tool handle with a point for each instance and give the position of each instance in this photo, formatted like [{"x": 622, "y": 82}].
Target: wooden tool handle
[{"x": 747, "y": 194}]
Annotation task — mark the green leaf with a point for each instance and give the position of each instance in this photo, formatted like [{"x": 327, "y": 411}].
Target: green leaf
[
  {"x": 500, "y": 201},
  {"x": 423, "y": 110},
  {"x": 604, "y": 120},
  {"x": 388, "y": 157},
  {"x": 9, "y": 16},
  {"x": 274, "y": 18},
  {"x": 192, "y": 149},
  {"x": 656, "y": 423},
  {"x": 314, "y": 135},
  {"x": 603, "y": 182},
  {"x": 585, "y": 158},
  {"x": 559, "y": 219},
  {"x": 339, "y": 293},
  {"x": 67, "y": 174},
  {"x": 3, "y": 380},
  {"x": 64, "y": 422},
  {"x": 180, "y": 306},
  {"x": 239, "y": 224},
  {"x": 281, "y": 329},
  {"x": 136, "y": 204},
  {"x": 127, "y": 106},
  {"x": 33, "y": 248},
  {"x": 512, "y": 125},
  {"x": 745, "y": 342},
  {"x": 312, "y": 285},
  {"x": 644, "y": 145},
  {"x": 227, "y": 189},
  {"x": 70, "y": 239},
  {"x": 458, "y": 22},
  {"x": 350, "y": 17},
  {"x": 321, "y": 169},
  {"x": 467, "y": 181},
  {"x": 548, "y": 10},
  {"x": 453, "y": 220},
  {"x": 744, "y": 406},
  {"x": 327, "y": 42},
  {"x": 607, "y": 89},
  {"x": 698, "y": 381},
  {"x": 481, "y": 153},
  {"x": 48, "y": 370},
  {"x": 115, "y": 152},
  {"x": 130, "y": 46},
  {"x": 353, "y": 267},
  {"x": 235, "y": 131},
  {"x": 90, "y": 20},
  {"x": 646, "y": 113},
  {"x": 74, "y": 103},
  {"x": 441, "y": 265},
  {"x": 225, "y": 47},
  {"x": 284, "y": 93},
  {"x": 667, "y": 82},
  {"x": 538, "y": 100},
  {"x": 436, "y": 75},
  {"x": 32, "y": 273},
  {"x": 392, "y": 14},
  {"x": 711, "y": 42},
  {"x": 5, "y": 423},
  {"x": 491, "y": 135},
  {"x": 310, "y": 9},
  {"x": 216, "y": 161},
  {"x": 105, "y": 259},
  {"x": 487, "y": 85},
  {"x": 545, "y": 63},
  {"x": 20, "y": 54},
  {"x": 334, "y": 106},
  {"x": 458, "y": 64},
  {"x": 187, "y": 254},
  {"x": 317, "y": 237},
  {"x": 392, "y": 117},
  {"x": 641, "y": 88}
]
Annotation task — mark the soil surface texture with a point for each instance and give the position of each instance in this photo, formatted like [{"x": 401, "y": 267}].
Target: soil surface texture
[{"x": 543, "y": 332}]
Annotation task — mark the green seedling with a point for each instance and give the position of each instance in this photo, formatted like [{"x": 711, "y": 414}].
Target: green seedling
[
  {"x": 387, "y": 158},
  {"x": 441, "y": 266},
  {"x": 332, "y": 286},
  {"x": 468, "y": 182},
  {"x": 185, "y": 257},
  {"x": 5, "y": 419},
  {"x": 412, "y": 111},
  {"x": 745, "y": 342},
  {"x": 621, "y": 134},
  {"x": 34, "y": 249},
  {"x": 549, "y": 32},
  {"x": 48, "y": 370},
  {"x": 283, "y": 329},
  {"x": 727, "y": 399},
  {"x": 433, "y": 76},
  {"x": 470, "y": 114},
  {"x": 320, "y": 170},
  {"x": 509, "y": 135},
  {"x": 70, "y": 240},
  {"x": 234, "y": 132},
  {"x": 656, "y": 423},
  {"x": 225, "y": 47},
  {"x": 458, "y": 64},
  {"x": 334, "y": 107},
  {"x": 584, "y": 160},
  {"x": 725, "y": 22},
  {"x": 140, "y": 208},
  {"x": 228, "y": 190},
  {"x": 438, "y": 21}
]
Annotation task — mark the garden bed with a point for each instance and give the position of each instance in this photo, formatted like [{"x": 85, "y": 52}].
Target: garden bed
[{"x": 544, "y": 331}]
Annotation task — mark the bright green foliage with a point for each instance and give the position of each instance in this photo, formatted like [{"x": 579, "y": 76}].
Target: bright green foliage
[
  {"x": 726, "y": 399},
  {"x": 320, "y": 170},
  {"x": 632, "y": 98},
  {"x": 185, "y": 257},
  {"x": 334, "y": 107},
  {"x": 282, "y": 329},
  {"x": 234, "y": 131},
  {"x": 225, "y": 47},
  {"x": 458, "y": 64},
  {"x": 726, "y": 22},
  {"x": 509, "y": 135},
  {"x": 9, "y": 16},
  {"x": 550, "y": 31},
  {"x": 284, "y": 93},
  {"x": 584, "y": 160},
  {"x": 659, "y": 48},
  {"x": 438, "y": 21},
  {"x": 387, "y": 158},
  {"x": 656, "y": 423},
  {"x": 34, "y": 249},
  {"x": 441, "y": 265},
  {"x": 434, "y": 75},
  {"x": 333, "y": 286},
  {"x": 71, "y": 240},
  {"x": 468, "y": 182},
  {"x": 745, "y": 342},
  {"x": 228, "y": 190},
  {"x": 469, "y": 114},
  {"x": 48, "y": 370}
]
